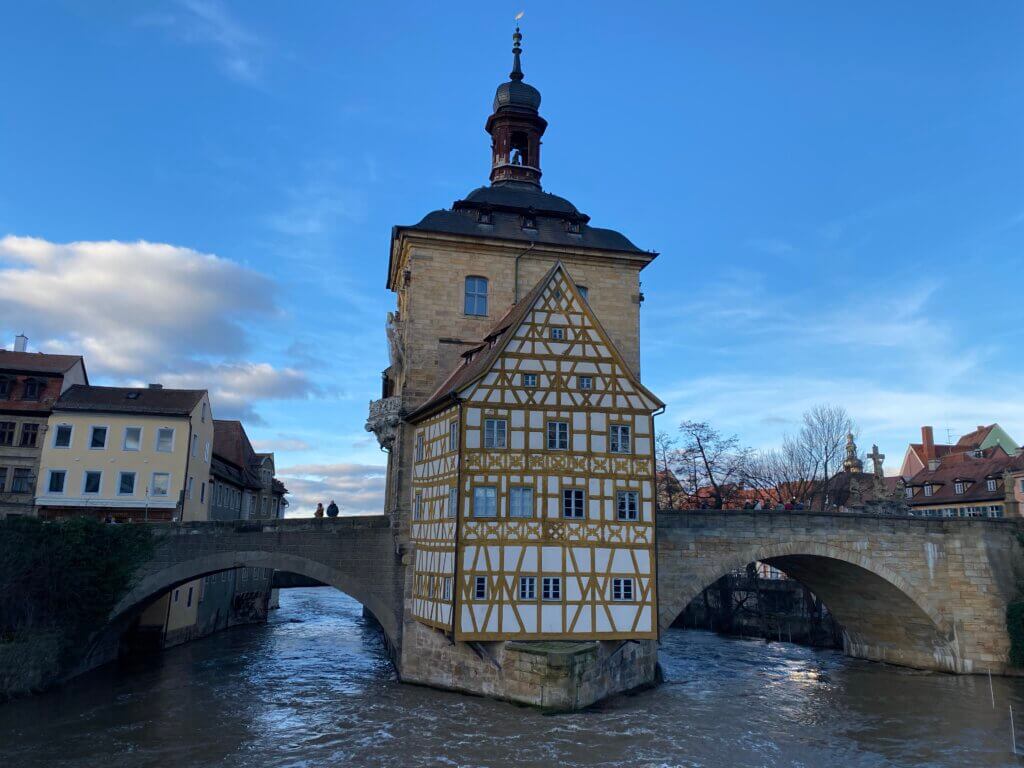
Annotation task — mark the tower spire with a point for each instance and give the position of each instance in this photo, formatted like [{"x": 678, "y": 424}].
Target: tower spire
[{"x": 517, "y": 50}]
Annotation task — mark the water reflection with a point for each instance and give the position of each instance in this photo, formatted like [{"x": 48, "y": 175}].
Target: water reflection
[{"x": 314, "y": 688}]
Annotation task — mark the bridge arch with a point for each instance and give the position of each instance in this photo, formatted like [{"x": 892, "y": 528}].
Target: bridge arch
[
  {"x": 156, "y": 583},
  {"x": 884, "y": 615}
]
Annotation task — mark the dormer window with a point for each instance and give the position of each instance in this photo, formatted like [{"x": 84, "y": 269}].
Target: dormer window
[
  {"x": 991, "y": 484},
  {"x": 933, "y": 464},
  {"x": 33, "y": 390},
  {"x": 530, "y": 219},
  {"x": 908, "y": 492},
  {"x": 928, "y": 489},
  {"x": 484, "y": 216},
  {"x": 978, "y": 453},
  {"x": 958, "y": 486},
  {"x": 572, "y": 226},
  {"x": 5, "y": 387}
]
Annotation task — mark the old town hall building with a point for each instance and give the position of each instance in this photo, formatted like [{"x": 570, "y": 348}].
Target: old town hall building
[{"x": 520, "y": 472}]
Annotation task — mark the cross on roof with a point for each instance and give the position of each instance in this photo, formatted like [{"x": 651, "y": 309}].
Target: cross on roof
[{"x": 876, "y": 458}]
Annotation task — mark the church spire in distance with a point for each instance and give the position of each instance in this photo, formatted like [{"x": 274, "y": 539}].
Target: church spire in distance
[{"x": 516, "y": 126}]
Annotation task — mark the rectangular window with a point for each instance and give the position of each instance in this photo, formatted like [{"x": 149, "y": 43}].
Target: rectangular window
[
  {"x": 557, "y": 334},
  {"x": 417, "y": 506},
  {"x": 91, "y": 481},
  {"x": 188, "y": 488},
  {"x": 573, "y": 503},
  {"x": 32, "y": 391},
  {"x": 586, "y": 382},
  {"x": 476, "y": 296},
  {"x": 627, "y": 504},
  {"x": 453, "y": 436},
  {"x": 29, "y": 433},
  {"x": 3, "y": 478},
  {"x": 5, "y": 387},
  {"x": 622, "y": 589},
  {"x": 206, "y": 452},
  {"x": 551, "y": 588},
  {"x": 495, "y": 433},
  {"x": 21, "y": 480},
  {"x": 446, "y": 594},
  {"x": 529, "y": 379},
  {"x": 161, "y": 484},
  {"x": 584, "y": 291},
  {"x": 165, "y": 440},
  {"x": 132, "y": 439},
  {"x": 909, "y": 492},
  {"x": 188, "y": 602},
  {"x": 202, "y": 493},
  {"x": 195, "y": 445},
  {"x": 958, "y": 487},
  {"x": 558, "y": 435},
  {"x": 7, "y": 432},
  {"x": 527, "y": 587},
  {"x": 453, "y": 502},
  {"x": 126, "y": 484},
  {"x": 619, "y": 439},
  {"x": 98, "y": 438},
  {"x": 177, "y": 592},
  {"x": 521, "y": 502},
  {"x": 485, "y": 501},
  {"x": 991, "y": 485},
  {"x": 62, "y": 436},
  {"x": 419, "y": 447},
  {"x": 479, "y": 587},
  {"x": 57, "y": 478}
]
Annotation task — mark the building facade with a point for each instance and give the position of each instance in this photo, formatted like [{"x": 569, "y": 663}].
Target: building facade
[
  {"x": 30, "y": 384},
  {"x": 128, "y": 454},
  {"x": 977, "y": 482}
]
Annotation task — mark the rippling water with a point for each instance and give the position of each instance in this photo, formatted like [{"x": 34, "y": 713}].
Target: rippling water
[{"x": 314, "y": 688}]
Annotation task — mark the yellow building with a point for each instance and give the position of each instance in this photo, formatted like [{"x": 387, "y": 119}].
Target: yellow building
[
  {"x": 533, "y": 483},
  {"x": 127, "y": 454}
]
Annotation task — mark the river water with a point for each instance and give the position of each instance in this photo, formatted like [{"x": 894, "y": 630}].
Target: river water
[{"x": 315, "y": 688}]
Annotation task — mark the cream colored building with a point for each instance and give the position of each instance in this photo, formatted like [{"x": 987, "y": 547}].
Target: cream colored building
[{"x": 127, "y": 454}]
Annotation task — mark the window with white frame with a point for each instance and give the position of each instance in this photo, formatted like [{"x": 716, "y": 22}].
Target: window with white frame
[
  {"x": 446, "y": 593},
  {"x": 958, "y": 486},
  {"x": 557, "y": 334},
  {"x": 195, "y": 445},
  {"x": 206, "y": 452},
  {"x": 21, "y": 480},
  {"x": 476, "y": 296},
  {"x": 990, "y": 484},
  {"x": 97, "y": 438},
  {"x": 528, "y": 379},
  {"x": 558, "y": 435},
  {"x": 622, "y": 589},
  {"x": 619, "y": 439},
  {"x": 126, "y": 484},
  {"x": 56, "y": 481},
  {"x": 202, "y": 418},
  {"x": 551, "y": 588},
  {"x": 573, "y": 503},
  {"x": 91, "y": 480},
  {"x": 165, "y": 440},
  {"x": 927, "y": 490},
  {"x": 453, "y": 501},
  {"x": 479, "y": 587},
  {"x": 520, "y": 501},
  {"x": 160, "y": 484},
  {"x": 485, "y": 501},
  {"x": 495, "y": 433},
  {"x": 7, "y": 432},
  {"x": 453, "y": 436},
  {"x": 419, "y": 446},
  {"x": 188, "y": 491},
  {"x": 627, "y": 504},
  {"x": 417, "y": 506},
  {"x": 527, "y": 587},
  {"x": 908, "y": 492},
  {"x": 586, "y": 382},
  {"x": 62, "y": 436},
  {"x": 132, "y": 439}
]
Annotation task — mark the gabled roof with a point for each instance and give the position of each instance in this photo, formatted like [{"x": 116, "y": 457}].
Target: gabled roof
[
  {"x": 962, "y": 467},
  {"x": 38, "y": 362},
  {"x": 478, "y": 360},
  {"x": 141, "y": 400}
]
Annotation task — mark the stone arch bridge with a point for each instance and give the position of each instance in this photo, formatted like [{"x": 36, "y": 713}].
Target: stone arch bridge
[{"x": 918, "y": 592}]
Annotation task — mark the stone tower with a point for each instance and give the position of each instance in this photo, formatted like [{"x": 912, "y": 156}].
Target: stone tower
[{"x": 458, "y": 271}]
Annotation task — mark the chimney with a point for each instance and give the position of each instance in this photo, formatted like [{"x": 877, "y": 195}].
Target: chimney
[
  {"x": 981, "y": 427},
  {"x": 21, "y": 343},
  {"x": 928, "y": 443},
  {"x": 156, "y": 386}
]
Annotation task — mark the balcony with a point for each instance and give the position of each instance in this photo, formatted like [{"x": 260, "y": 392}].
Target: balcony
[{"x": 384, "y": 420}]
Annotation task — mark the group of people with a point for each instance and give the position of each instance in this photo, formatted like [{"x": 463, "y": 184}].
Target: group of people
[
  {"x": 789, "y": 507},
  {"x": 332, "y": 509}
]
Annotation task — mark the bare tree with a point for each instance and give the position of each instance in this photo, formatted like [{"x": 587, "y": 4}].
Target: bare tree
[
  {"x": 669, "y": 491},
  {"x": 823, "y": 437},
  {"x": 718, "y": 463},
  {"x": 784, "y": 474}
]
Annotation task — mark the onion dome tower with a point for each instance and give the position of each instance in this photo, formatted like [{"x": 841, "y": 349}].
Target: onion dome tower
[{"x": 516, "y": 126}]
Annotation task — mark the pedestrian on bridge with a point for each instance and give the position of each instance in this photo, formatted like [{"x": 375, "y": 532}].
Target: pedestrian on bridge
[
  {"x": 319, "y": 509},
  {"x": 332, "y": 509}
]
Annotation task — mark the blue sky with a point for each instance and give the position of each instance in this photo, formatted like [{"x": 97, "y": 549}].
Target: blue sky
[{"x": 201, "y": 193}]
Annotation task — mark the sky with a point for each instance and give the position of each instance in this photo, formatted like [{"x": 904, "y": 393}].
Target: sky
[{"x": 201, "y": 193}]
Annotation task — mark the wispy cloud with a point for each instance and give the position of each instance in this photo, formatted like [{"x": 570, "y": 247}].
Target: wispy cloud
[{"x": 208, "y": 23}]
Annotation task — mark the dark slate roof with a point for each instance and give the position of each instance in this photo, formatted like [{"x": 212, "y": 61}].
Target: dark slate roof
[
  {"x": 159, "y": 402},
  {"x": 516, "y": 93},
  {"x": 507, "y": 202},
  {"x": 37, "y": 362}
]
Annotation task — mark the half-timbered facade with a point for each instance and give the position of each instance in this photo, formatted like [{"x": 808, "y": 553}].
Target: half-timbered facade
[{"x": 542, "y": 440}]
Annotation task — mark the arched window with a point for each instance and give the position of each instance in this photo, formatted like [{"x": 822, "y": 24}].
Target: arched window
[{"x": 476, "y": 296}]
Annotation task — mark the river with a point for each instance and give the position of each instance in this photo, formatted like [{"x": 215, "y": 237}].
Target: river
[{"x": 314, "y": 688}]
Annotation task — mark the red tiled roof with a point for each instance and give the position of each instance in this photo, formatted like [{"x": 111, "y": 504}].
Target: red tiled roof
[
  {"x": 973, "y": 471},
  {"x": 37, "y": 362}
]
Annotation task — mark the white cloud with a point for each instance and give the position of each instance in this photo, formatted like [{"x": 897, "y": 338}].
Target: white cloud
[
  {"x": 282, "y": 443},
  {"x": 356, "y": 488},
  {"x": 146, "y": 312}
]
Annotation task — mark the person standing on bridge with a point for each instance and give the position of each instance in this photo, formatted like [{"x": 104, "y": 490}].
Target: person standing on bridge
[
  {"x": 332, "y": 509},
  {"x": 319, "y": 509}
]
